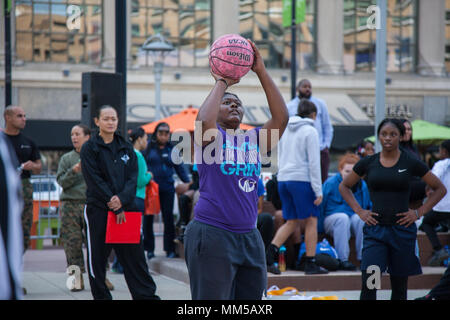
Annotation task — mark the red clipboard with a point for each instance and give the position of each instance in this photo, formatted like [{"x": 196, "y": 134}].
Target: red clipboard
[{"x": 127, "y": 232}]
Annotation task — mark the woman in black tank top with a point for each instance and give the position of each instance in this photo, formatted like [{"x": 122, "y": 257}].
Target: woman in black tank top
[{"x": 390, "y": 232}]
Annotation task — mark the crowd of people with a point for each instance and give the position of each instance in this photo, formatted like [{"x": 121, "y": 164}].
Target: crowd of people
[{"x": 230, "y": 242}]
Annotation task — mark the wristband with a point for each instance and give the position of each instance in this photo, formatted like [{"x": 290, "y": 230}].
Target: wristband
[
  {"x": 417, "y": 213},
  {"x": 224, "y": 81}
]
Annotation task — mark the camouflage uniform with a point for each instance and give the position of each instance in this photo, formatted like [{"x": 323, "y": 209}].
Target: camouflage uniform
[
  {"x": 73, "y": 199},
  {"x": 73, "y": 231},
  {"x": 27, "y": 213}
]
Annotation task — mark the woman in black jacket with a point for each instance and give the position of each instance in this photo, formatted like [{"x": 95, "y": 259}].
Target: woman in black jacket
[
  {"x": 109, "y": 167},
  {"x": 158, "y": 156}
]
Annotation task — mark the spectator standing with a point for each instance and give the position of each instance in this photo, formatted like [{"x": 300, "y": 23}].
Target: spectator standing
[
  {"x": 322, "y": 122},
  {"x": 138, "y": 138},
  {"x": 109, "y": 167},
  {"x": 417, "y": 185},
  {"x": 73, "y": 199},
  {"x": 28, "y": 163},
  {"x": 159, "y": 161},
  {"x": 390, "y": 232},
  {"x": 299, "y": 185}
]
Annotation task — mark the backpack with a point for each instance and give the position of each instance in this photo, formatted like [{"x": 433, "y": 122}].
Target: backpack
[{"x": 326, "y": 256}]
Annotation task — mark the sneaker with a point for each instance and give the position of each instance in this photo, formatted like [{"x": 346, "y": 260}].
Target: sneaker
[
  {"x": 438, "y": 257},
  {"x": 347, "y": 266},
  {"x": 312, "y": 268},
  {"x": 109, "y": 285},
  {"x": 273, "y": 269},
  {"x": 81, "y": 288}
]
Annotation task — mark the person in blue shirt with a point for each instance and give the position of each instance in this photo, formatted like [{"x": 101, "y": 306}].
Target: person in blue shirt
[
  {"x": 160, "y": 164},
  {"x": 322, "y": 122},
  {"x": 340, "y": 221}
]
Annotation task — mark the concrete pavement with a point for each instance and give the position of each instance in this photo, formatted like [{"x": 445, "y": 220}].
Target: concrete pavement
[{"x": 45, "y": 279}]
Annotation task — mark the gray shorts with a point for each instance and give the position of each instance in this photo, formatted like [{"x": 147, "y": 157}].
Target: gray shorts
[{"x": 224, "y": 265}]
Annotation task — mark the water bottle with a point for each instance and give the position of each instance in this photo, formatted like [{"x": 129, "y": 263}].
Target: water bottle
[{"x": 282, "y": 259}]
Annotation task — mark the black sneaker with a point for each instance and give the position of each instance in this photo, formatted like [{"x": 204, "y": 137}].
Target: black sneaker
[
  {"x": 273, "y": 269},
  {"x": 312, "y": 268},
  {"x": 347, "y": 266}
]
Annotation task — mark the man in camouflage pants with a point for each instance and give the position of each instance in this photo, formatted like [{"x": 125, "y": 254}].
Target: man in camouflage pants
[
  {"x": 73, "y": 232},
  {"x": 28, "y": 162}
]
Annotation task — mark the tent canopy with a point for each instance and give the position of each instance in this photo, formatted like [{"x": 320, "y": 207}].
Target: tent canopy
[
  {"x": 425, "y": 132},
  {"x": 182, "y": 120}
]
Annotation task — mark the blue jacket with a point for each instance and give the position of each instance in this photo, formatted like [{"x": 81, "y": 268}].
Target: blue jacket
[
  {"x": 333, "y": 201},
  {"x": 161, "y": 166}
]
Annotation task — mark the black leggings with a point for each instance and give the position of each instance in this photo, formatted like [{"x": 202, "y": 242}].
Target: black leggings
[
  {"x": 399, "y": 287},
  {"x": 430, "y": 221}
]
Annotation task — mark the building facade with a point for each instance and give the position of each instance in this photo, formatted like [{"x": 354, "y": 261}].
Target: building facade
[{"x": 55, "y": 41}]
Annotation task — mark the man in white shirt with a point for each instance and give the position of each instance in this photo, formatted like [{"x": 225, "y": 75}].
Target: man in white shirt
[{"x": 322, "y": 122}]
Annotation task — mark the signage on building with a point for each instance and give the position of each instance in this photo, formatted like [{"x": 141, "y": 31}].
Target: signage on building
[{"x": 392, "y": 111}]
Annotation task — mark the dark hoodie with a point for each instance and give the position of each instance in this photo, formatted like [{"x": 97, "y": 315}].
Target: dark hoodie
[{"x": 109, "y": 169}]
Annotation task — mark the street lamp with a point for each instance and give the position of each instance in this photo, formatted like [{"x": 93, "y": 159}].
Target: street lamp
[{"x": 158, "y": 47}]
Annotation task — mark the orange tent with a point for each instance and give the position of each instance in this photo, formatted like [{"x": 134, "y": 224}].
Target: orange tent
[{"x": 182, "y": 120}]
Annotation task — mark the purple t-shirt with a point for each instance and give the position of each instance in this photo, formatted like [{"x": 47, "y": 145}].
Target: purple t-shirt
[{"x": 229, "y": 170}]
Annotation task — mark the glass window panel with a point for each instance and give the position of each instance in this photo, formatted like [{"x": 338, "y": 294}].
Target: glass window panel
[
  {"x": 171, "y": 23},
  {"x": 154, "y": 21},
  {"x": 93, "y": 20},
  {"x": 186, "y": 52},
  {"x": 349, "y": 57},
  {"x": 41, "y": 19},
  {"x": 76, "y": 48},
  {"x": 41, "y": 47},
  {"x": 187, "y": 25},
  {"x": 186, "y": 4},
  {"x": 365, "y": 57},
  {"x": 261, "y": 27},
  {"x": 93, "y": 49},
  {"x": 393, "y": 29},
  {"x": 24, "y": 16},
  {"x": 201, "y": 53},
  {"x": 202, "y": 25},
  {"x": 393, "y": 57},
  {"x": 24, "y": 48}
]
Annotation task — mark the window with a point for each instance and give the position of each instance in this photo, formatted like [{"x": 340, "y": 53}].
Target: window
[
  {"x": 262, "y": 21},
  {"x": 447, "y": 35},
  {"x": 185, "y": 23},
  {"x": 43, "y": 34},
  {"x": 359, "y": 40}
]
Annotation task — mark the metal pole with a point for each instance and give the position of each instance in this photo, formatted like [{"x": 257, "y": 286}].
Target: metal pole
[
  {"x": 293, "y": 51},
  {"x": 157, "y": 69},
  {"x": 8, "y": 78},
  {"x": 121, "y": 58},
  {"x": 380, "y": 82}
]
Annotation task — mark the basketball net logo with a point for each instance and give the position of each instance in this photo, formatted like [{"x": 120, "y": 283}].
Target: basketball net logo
[{"x": 247, "y": 186}]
